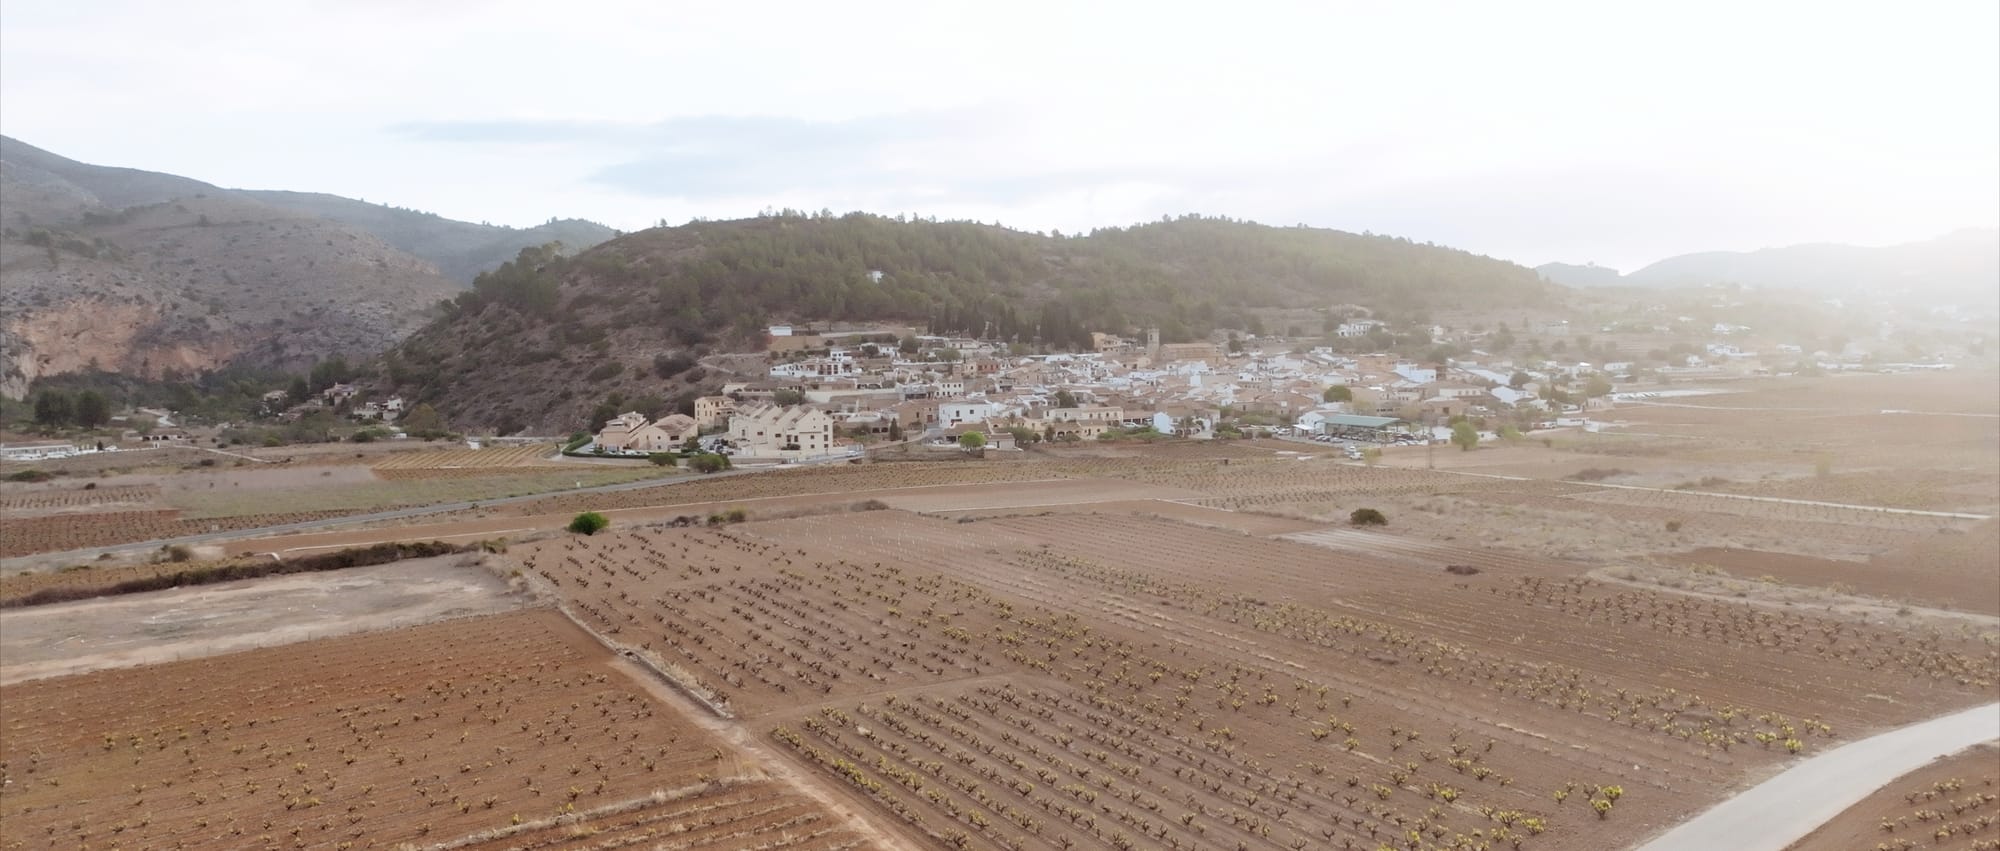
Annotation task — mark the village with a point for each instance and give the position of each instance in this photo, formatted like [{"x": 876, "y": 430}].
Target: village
[{"x": 830, "y": 394}]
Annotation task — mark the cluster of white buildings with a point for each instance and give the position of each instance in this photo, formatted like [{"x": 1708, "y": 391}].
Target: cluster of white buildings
[{"x": 839, "y": 395}]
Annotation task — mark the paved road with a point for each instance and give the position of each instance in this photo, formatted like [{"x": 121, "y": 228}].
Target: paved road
[
  {"x": 78, "y": 556},
  {"x": 1783, "y": 809}
]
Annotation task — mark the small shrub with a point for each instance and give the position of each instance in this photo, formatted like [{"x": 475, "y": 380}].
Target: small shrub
[
  {"x": 176, "y": 553},
  {"x": 31, "y": 476},
  {"x": 736, "y": 515},
  {"x": 604, "y": 371},
  {"x": 1367, "y": 517},
  {"x": 1673, "y": 525},
  {"x": 588, "y": 523},
  {"x": 1595, "y": 474},
  {"x": 1461, "y": 569},
  {"x": 869, "y": 505},
  {"x": 661, "y": 459}
]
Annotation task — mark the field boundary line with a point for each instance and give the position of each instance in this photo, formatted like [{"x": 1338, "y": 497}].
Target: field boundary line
[
  {"x": 1893, "y": 411},
  {"x": 1878, "y": 606},
  {"x": 236, "y": 455},
  {"x": 351, "y": 545},
  {"x": 639, "y": 657},
  {"x": 1915, "y": 512}
]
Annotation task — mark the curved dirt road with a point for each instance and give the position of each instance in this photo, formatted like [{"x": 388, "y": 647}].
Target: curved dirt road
[{"x": 1778, "y": 812}]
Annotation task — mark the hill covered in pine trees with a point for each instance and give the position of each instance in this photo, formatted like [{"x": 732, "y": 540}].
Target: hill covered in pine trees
[{"x": 543, "y": 339}]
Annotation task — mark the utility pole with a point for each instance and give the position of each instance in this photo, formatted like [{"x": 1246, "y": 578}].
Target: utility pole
[{"x": 1430, "y": 444}]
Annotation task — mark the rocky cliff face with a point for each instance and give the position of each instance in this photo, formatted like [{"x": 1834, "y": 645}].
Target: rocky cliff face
[
  {"x": 159, "y": 276},
  {"x": 181, "y": 287}
]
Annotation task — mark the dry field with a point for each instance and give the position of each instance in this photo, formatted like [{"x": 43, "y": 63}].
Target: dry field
[
  {"x": 20, "y": 536},
  {"x": 183, "y": 623},
  {"x": 461, "y": 463},
  {"x": 65, "y": 515},
  {"x": 1101, "y": 681},
  {"x": 516, "y": 729},
  {"x": 1952, "y": 803},
  {"x": 841, "y": 479},
  {"x": 1182, "y": 646}
]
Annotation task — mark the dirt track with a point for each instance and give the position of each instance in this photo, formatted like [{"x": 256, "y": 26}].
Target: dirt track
[{"x": 162, "y": 626}]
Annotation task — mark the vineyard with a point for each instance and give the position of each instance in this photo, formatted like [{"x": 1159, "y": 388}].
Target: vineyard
[
  {"x": 465, "y": 463},
  {"x": 1096, "y": 681},
  {"x": 58, "y": 533},
  {"x": 72, "y": 499},
  {"x": 514, "y": 729},
  {"x": 1952, "y": 803},
  {"x": 840, "y": 480}
]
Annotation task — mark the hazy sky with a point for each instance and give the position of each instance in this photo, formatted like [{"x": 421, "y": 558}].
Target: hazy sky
[{"x": 1593, "y": 131}]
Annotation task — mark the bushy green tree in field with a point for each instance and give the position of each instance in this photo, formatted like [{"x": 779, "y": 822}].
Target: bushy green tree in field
[
  {"x": 1465, "y": 436},
  {"x": 54, "y": 408},
  {"x": 588, "y": 523},
  {"x": 91, "y": 409},
  {"x": 424, "y": 423},
  {"x": 1338, "y": 393},
  {"x": 971, "y": 440}
]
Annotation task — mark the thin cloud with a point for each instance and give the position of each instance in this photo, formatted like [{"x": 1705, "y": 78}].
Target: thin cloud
[{"x": 914, "y": 157}]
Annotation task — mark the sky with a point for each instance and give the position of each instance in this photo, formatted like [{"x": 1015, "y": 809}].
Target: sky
[{"x": 1614, "y": 133}]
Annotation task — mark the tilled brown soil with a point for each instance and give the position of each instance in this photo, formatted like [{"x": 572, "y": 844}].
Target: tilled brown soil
[
  {"x": 1109, "y": 682},
  {"x": 1951, "y": 803}
]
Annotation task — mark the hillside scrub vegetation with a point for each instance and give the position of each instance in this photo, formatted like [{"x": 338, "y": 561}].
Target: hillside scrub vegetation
[{"x": 656, "y": 300}]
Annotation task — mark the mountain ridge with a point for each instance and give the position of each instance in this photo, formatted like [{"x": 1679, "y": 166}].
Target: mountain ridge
[
  {"x": 160, "y": 276},
  {"x": 543, "y": 340},
  {"x": 1961, "y": 264},
  {"x": 460, "y": 250}
]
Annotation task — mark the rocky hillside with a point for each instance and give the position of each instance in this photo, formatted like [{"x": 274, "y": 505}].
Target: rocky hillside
[
  {"x": 541, "y": 342},
  {"x": 182, "y": 287},
  {"x": 57, "y": 190},
  {"x": 156, "y": 275}
]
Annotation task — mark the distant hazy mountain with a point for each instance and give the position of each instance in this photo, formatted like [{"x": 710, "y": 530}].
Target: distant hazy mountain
[
  {"x": 1961, "y": 266},
  {"x": 1966, "y": 262},
  {"x": 461, "y": 250},
  {"x": 156, "y": 275},
  {"x": 56, "y": 189},
  {"x": 1587, "y": 275}
]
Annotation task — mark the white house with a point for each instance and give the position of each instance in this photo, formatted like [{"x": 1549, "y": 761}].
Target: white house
[
  {"x": 1418, "y": 374},
  {"x": 1311, "y": 421},
  {"x": 38, "y": 451},
  {"x": 770, "y": 431},
  {"x": 630, "y": 432},
  {"x": 1166, "y": 423},
  {"x": 825, "y": 367},
  {"x": 960, "y": 413}
]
